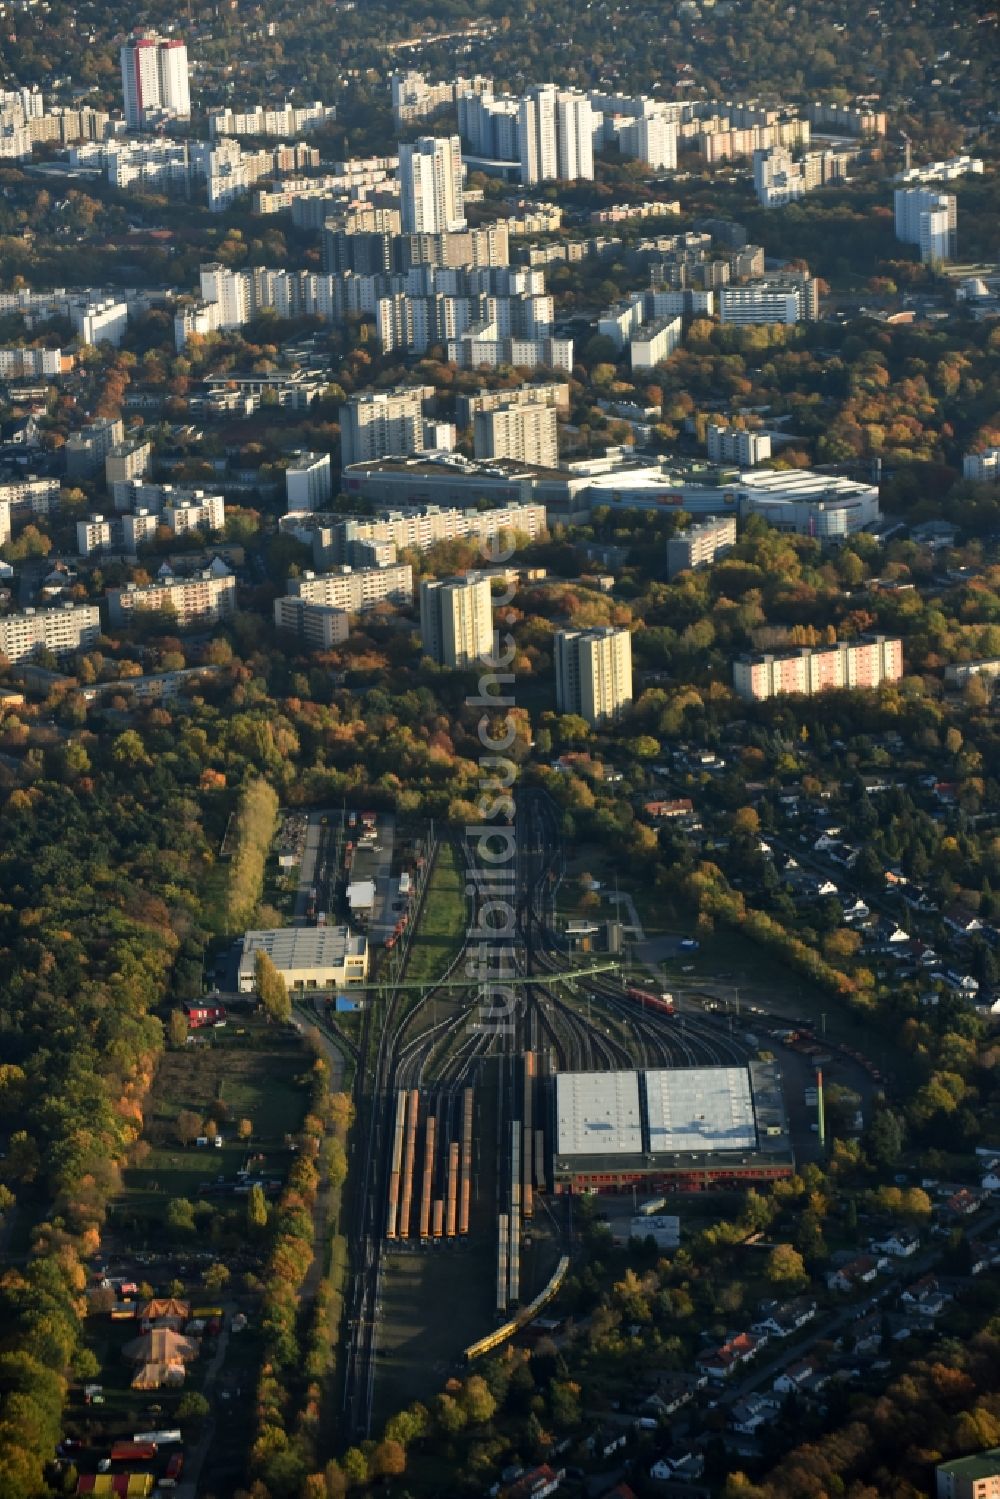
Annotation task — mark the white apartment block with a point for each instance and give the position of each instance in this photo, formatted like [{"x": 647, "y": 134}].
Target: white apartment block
[
  {"x": 717, "y": 141},
  {"x": 489, "y": 126},
  {"x": 942, "y": 171},
  {"x": 982, "y": 467},
  {"x": 862, "y": 667},
  {"x": 555, "y": 136},
  {"x": 481, "y": 348},
  {"x": 97, "y": 534},
  {"x": 848, "y": 119},
  {"x": 733, "y": 445},
  {"x": 277, "y": 120},
  {"x": 127, "y": 461},
  {"x": 100, "y": 322},
  {"x": 700, "y": 545},
  {"x": 163, "y": 164},
  {"x": 198, "y": 318},
  {"x": 744, "y": 306},
  {"x": 650, "y": 138},
  {"x": 928, "y": 219},
  {"x": 383, "y": 423},
  {"x": 308, "y": 481},
  {"x": 423, "y": 528},
  {"x": 29, "y": 496},
  {"x": 593, "y": 672},
  {"x": 456, "y": 620},
  {"x": 526, "y": 434},
  {"x": 355, "y": 591},
  {"x": 199, "y": 513},
  {"x": 777, "y": 178},
  {"x": 621, "y": 321},
  {"x": 642, "y": 127},
  {"x": 203, "y": 599},
  {"x": 553, "y": 393},
  {"x": 5, "y": 522},
  {"x": 320, "y": 625},
  {"x": 87, "y": 449},
  {"x": 653, "y": 342},
  {"x": 430, "y": 185},
  {"x": 18, "y": 363},
  {"x": 154, "y": 80},
  {"x": 67, "y": 628},
  {"x": 144, "y": 494},
  {"x": 139, "y": 529},
  {"x": 413, "y": 98}
]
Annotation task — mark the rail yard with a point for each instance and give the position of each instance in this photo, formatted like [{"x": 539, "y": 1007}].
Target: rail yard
[{"x": 455, "y": 1149}]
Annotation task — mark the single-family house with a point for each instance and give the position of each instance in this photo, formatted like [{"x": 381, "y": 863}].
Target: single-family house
[
  {"x": 925, "y": 956},
  {"x": 925, "y": 1296},
  {"x": 917, "y": 899},
  {"x": 668, "y": 810},
  {"x": 867, "y": 1334},
  {"x": 536, "y": 1483},
  {"x": 719, "y": 1363},
  {"x": 750, "y": 1414},
  {"x": 962, "y": 920},
  {"x": 857, "y": 1272},
  {"x": 606, "y": 1441},
  {"x": 676, "y": 1388},
  {"x": 681, "y": 1461},
  {"x": 959, "y": 982},
  {"x": 780, "y": 1320},
  {"x": 900, "y": 1244},
  {"x": 980, "y": 1257},
  {"x": 800, "y": 1378}
]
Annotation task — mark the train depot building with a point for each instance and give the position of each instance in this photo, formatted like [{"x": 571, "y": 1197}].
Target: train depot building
[
  {"x": 307, "y": 957},
  {"x": 679, "y": 1129}
]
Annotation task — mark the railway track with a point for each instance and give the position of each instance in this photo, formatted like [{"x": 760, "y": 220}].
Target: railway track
[{"x": 418, "y": 1114}]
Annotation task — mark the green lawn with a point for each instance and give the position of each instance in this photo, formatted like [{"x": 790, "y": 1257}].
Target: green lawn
[
  {"x": 442, "y": 921},
  {"x": 258, "y": 1076}
]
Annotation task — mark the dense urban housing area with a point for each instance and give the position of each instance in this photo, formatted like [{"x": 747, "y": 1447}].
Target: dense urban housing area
[{"x": 499, "y": 752}]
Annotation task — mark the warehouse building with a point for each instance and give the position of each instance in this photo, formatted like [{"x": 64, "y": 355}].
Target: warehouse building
[
  {"x": 683, "y": 1129},
  {"x": 321, "y": 957}
]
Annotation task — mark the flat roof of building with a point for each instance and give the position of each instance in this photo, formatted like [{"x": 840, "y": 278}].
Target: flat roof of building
[
  {"x": 597, "y": 1113},
  {"x": 700, "y": 1108},
  {"x": 671, "y": 1119},
  {"x": 294, "y": 947},
  {"x": 361, "y": 893},
  {"x": 704, "y": 527},
  {"x": 457, "y": 468},
  {"x": 801, "y": 483},
  {"x": 979, "y": 1465}
]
